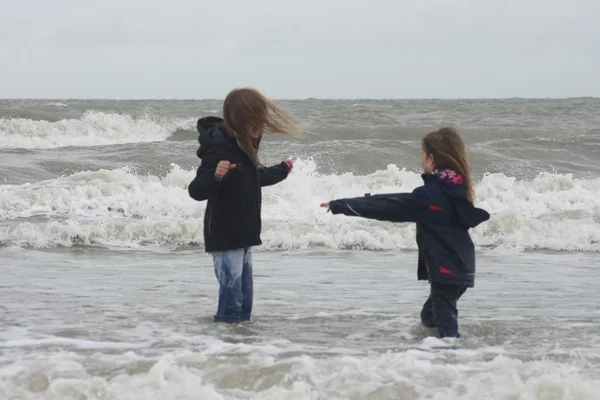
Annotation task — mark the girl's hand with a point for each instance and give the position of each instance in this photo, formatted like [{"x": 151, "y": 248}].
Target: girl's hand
[
  {"x": 290, "y": 164},
  {"x": 326, "y": 205},
  {"x": 222, "y": 169}
]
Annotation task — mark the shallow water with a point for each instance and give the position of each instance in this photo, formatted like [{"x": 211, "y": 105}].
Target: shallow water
[
  {"x": 106, "y": 293},
  {"x": 87, "y": 323}
]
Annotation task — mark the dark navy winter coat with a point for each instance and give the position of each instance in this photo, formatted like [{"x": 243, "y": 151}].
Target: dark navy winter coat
[
  {"x": 232, "y": 219},
  {"x": 443, "y": 216}
]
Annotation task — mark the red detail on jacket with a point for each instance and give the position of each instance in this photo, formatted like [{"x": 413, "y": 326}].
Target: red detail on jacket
[{"x": 445, "y": 271}]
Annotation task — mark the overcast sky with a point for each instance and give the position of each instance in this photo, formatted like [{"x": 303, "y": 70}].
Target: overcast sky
[{"x": 300, "y": 48}]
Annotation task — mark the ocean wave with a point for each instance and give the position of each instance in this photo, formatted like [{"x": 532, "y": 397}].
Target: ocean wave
[
  {"x": 432, "y": 369},
  {"x": 119, "y": 208},
  {"x": 92, "y": 129}
]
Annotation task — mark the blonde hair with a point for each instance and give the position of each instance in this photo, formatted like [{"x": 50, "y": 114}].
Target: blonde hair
[
  {"x": 449, "y": 152},
  {"x": 247, "y": 110}
]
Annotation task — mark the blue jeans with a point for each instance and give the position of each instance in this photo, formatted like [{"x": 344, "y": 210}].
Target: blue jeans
[
  {"x": 233, "y": 269},
  {"x": 439, "y": 311}
]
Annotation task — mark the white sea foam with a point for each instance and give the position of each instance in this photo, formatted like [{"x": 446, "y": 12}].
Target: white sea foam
[
  {"x": 218, "y": 370},
  {"x": 120, "y": 208},
  {"x": 56, "y": 104},
  {"x": 92, "y": 129}
]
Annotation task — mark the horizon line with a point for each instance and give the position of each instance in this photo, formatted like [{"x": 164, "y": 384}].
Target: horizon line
[{"x": 300, "y": 98}]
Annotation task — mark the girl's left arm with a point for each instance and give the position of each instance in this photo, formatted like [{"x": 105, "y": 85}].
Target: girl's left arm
[
  {"x": 274, "y": 174},
  {"x": 399, "y": 207}
]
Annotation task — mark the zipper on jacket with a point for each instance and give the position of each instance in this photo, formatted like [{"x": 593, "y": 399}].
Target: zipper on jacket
[{"x": 210, "y": 223}]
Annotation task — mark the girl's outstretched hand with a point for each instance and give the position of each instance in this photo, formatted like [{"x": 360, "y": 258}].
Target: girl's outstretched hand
[
  {"x": 326, "y": 205},
  {"x": 290, "y": 164}
]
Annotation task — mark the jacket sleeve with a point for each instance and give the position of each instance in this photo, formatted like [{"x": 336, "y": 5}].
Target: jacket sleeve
[
  {"x": 274, "y": 174},
  {"x": 398, "y": 207},
  {"x": 205, "y": 183}
]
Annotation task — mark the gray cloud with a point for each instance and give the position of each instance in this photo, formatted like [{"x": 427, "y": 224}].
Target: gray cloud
[{"x": 327, "y": 48}]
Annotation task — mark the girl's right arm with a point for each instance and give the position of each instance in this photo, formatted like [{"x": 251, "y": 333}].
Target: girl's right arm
[
  {"x": 399, "y": 207},
  {"x": 205, "y": 183}
]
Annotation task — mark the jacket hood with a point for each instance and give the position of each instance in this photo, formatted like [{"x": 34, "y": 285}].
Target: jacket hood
[
  {"x": 453, "y": 184},
  {"x": 212, "y": 133}
]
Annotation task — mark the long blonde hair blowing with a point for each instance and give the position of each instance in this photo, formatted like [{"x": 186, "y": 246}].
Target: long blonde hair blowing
[
  {"x": 449, "y": 152},
  {"x": 247, "y": 110}
]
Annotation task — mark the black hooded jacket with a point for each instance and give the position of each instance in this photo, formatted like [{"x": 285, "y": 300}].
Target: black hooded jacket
[
  {"x": 443, "y": 216},
  {"x": 232, "y": 219}
]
